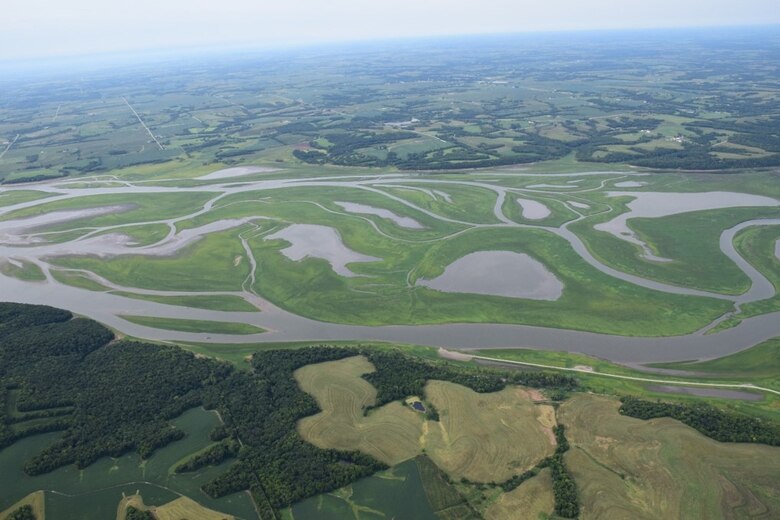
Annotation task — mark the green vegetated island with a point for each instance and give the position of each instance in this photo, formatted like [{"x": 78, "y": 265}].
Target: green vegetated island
[
  {"x": 335, "y": 431},
  {"x": 612, "y": 196}
]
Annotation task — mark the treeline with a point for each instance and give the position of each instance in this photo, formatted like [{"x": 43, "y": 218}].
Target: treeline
[
  {"x": 133, "y": 513},
  {"x": 717, "y": 424},
  {"x": 567, "y": 502},
  {"x": 213, "y": 456},
  {"x": 398, "y": 376},
  {"x": 565, "y": 493}
]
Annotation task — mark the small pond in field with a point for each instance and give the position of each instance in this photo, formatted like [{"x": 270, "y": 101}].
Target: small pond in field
[
  {"x": 498, "y": 273},
  {"x": 314, "y": 241},
  {"x": 533, "y": 210},
  {"x": 629, "y": 184}
]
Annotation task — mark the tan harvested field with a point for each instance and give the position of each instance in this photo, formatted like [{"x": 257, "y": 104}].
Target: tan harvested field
[
  {"x": 628, "y": 468},
  {"x": 36, "y": 500},
  {"x": 184, "y": 508},
  {"x": 390, "y": 434},
  {"x": 486, "y": 437},
  {"x": 483, "y": 437},
  {"x": 527, "y": 502}
]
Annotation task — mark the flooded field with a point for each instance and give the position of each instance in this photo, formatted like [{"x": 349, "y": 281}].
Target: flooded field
[{"x": 99, "y": 488}]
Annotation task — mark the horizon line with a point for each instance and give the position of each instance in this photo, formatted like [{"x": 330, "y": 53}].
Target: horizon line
[{"x": 254, "y": 47}]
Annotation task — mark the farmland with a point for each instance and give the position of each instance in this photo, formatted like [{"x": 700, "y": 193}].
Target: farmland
[
  {"x": 476, "y": 436},
  {"x": 650, "y": 101},
  {"x": 643, "y": 469}
]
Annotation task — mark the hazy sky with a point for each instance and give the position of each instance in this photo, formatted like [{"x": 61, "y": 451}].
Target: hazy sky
[{"x": 43, "y": 28}]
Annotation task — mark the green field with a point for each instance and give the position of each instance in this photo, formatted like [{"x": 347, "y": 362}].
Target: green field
[{"x": 216, "y": 327}]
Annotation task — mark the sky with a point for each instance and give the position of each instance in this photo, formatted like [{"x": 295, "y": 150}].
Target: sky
[{"x": 52, "y": 28}]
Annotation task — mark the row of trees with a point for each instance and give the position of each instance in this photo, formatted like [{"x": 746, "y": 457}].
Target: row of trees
[
  {"x": 213, "y": 456},
  {"x": 713, "y": 422}
]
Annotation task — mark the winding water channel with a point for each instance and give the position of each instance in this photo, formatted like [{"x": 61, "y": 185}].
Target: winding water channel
[{"x": 19, "y": 241}]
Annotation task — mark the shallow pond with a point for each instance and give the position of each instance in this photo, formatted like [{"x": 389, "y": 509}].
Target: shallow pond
[
  {"x": 404, "y": 222},
  {"x": 314, "y": 241},
  {"x": 533, "y": 210},
  {"x": 629, "y": 184},
  {"x": 660, "y": 204},
  {"x": 18, "y": 231},
  {"x": 498, "y": 273}
]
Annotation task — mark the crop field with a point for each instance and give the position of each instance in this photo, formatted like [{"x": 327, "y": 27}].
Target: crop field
[
  {"x": 628, "y": 468},
  {"x": 482, "y": 437},
  {"x": 391, "y": 433},
  {"x": 531, "y": 501},
  {"x": 486, "y": 437},
  {"x": 182, "y": 508}
]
